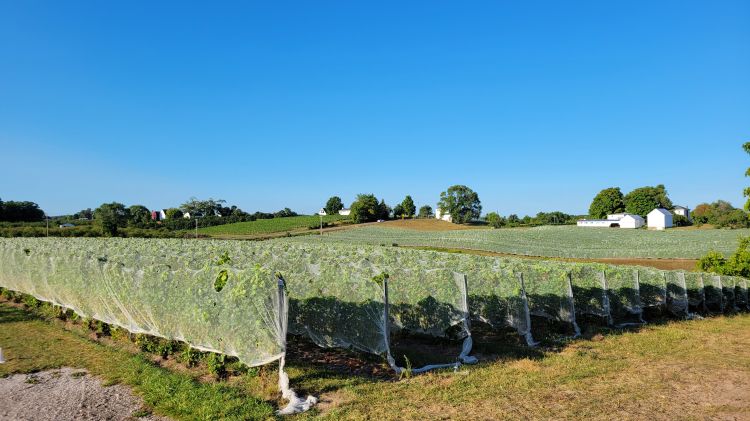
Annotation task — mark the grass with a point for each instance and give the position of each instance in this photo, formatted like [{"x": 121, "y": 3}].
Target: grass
[
  {"x": 690, "y": 370},
  {"x": 554, "y": 241},
  {"x": 31, "y": 344},
  {"x": 271, "y": 226}
]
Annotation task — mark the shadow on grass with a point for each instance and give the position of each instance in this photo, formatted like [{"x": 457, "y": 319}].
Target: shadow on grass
[{"x": 9, "y": 314}]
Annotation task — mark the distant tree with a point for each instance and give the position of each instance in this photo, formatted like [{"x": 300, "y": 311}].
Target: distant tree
[
  {"x": 746, "y": 191},
  {"x": 643, "y": 200},
  {"x": 495, "y": 220},
  {"x": 461, "y": 202},
  {"x": 2, "y": 210},
  {"x": 174, "y": 213},
  {"x": 398, "y": 211},
  {"x": 365, "y": 208},
  {"x": 409, "y": 209},
  {"x": 425, "y": 211},
  {"x": 607, "y": 202},
  {"x": 721, "y": 214},
  {"x": 513, "y": 220},
  {"x": 208, "y": 207},
  {"x": 21, "y": 212},
  {"x": 334, "y": 205},
  {"x": 111, "y": 216},
  {"x": 139, "y": 216},
  {"x": 284, "y": 213},
  {"x": 84, "y": 214},
  {"x": 384, "y": 211}
]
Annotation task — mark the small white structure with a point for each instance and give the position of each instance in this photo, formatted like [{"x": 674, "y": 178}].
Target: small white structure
[
  {"x": 67, "y": 225},
  {"x": 322, "y": 212},
  {"x": 632, "y": 221},
  {"x": 443, "y": 216},
  {"x": 616, "y": 220},
  {"x": 345, "y": 212},
  {"x": 659, "y": 219},
  {"x": 682, "y": 211}
]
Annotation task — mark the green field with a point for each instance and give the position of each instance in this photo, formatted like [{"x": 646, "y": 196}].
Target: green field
[
  {"x": 270, "y": 226},
  {"x": 555, "y": 241}
]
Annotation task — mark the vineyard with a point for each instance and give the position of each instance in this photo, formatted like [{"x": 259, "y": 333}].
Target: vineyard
[
  {"x": 555, "y": 241},
  {"x": 241, "y": 298},
  {"x": 270, "y": 226}
]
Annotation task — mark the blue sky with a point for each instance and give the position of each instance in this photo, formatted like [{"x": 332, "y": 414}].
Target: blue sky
[{"x": 535, "y": 105}]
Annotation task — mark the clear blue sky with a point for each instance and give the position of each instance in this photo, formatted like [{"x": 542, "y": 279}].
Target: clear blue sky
[{"x": 535, "y": 105}]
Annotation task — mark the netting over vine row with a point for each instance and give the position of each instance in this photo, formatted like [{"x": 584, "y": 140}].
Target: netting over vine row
[{"x": 223, "y": 296}]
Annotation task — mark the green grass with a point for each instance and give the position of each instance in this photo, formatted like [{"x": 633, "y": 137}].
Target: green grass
[
  {"x": 31, "y": 344},
  {"x": 555, "y": 241},
  {"x": 693, "y": 370},
  {"x": 270, "y": 226}
]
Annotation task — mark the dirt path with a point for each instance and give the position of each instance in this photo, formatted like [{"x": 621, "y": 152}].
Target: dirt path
[{"x": 67, "y": 394}]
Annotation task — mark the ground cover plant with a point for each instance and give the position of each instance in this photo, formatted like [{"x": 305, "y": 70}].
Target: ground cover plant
[{"x": 555, "y": 241}]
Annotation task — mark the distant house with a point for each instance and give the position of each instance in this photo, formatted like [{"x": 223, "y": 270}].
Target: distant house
[
  {"x": 159, "y": 215},
  {"x": 659, "y": 219},
  {"x": 67, "y": 225},
  {"x": 322, "y": 212},
  {"x": 682, "y": 211},
  {"x": 188, "y": 215},
  {"x": 345, "y": 212},
  {"x": 615, "y": 220},
  {"x": 443, "y": 216}
]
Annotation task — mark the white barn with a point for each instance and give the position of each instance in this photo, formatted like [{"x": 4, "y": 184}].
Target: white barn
[
  {"x": 632, "y": 221},
  {"x": 443, "y": 216},
  {"x": 345, "y": 212},
  {"x": 659, "y": 219},
  {"x": 617, "y": 220}
]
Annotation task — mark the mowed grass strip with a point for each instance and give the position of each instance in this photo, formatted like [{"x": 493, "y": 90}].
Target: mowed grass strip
[
  {"x": 680, "y": 370},
  {"x": 31, "y": 344},
  {"x": 270, "y": 226}
]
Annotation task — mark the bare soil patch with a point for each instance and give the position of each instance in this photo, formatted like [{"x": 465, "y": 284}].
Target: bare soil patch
[
  {"x": 428, "y": 225},
  {"x": 67, "y": 394}
]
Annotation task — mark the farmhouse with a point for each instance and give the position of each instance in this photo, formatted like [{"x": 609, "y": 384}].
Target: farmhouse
[
  {"x": 659, "y": 219},
  {"x": 345, "y": 212},
  {"x": 682, "y": 211},
  {"x": 443, "y": 216},
  {"x": 617, "y": 220},
  {"x": 159, "y": 215}
]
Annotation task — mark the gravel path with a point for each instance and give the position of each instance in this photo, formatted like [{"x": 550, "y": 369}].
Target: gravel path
[{"x": 66, "y": 394}]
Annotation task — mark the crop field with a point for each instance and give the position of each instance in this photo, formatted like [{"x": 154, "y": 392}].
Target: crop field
[
  {"x": 553, "y": 241},
  {"x": 269, "y": 226}
]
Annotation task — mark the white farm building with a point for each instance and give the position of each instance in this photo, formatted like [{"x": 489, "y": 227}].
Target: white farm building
[
  {"x": 617, "y": 220},
  {"x": 345, "y": 212},
  {"x": 659, "y": 219},
  {"x": 443, "y": 216}
]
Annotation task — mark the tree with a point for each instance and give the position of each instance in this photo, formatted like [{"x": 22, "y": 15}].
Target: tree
[
  {"x": 207, "y": 207},
  {"x": 139, "y": 216},
  {"x": 334, "y": 205},
  {"x": 398, "y": 211},
  {"x": 643, "y": 200},
  {"x": 174, "y": 213},
  {"x": 513, "y": 220},
  {"x": 365, "y": 208},
  {"x": 720, "y": 214},
  {"x": 21, "y": 212},
  {"x": 408, "y": 207},
  {"x": 284, "y": 213},
  {"x": 425, "y": 211},
  {"x": 111, "y": 216},
  {"x": 461, "y": 202},
  {"x": 84, "y": 214},
  {"x": 607, "y": 202},
  {"x": 495, "y": 220},
  {"x": 746, "y": 192},
  {"x": 384, "y": 211}
]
